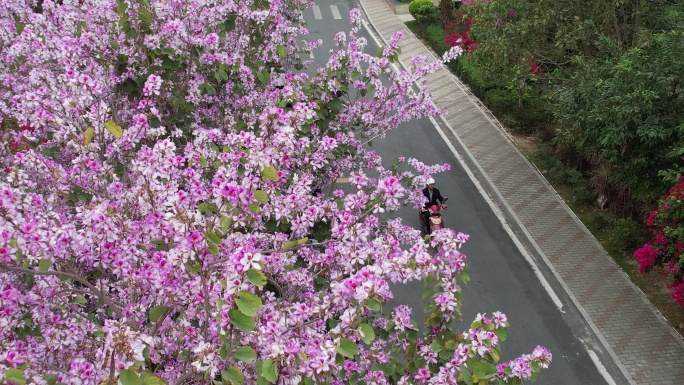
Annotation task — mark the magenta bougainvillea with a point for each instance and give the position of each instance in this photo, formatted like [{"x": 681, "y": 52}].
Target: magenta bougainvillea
[
  {"x": 170, "y": 210},
  {"x": 458, "y": 35},
  {"x": 666, "y": 246}
]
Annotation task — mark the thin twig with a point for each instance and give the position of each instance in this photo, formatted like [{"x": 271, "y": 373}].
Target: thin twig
[
  {"x": 185, "y": 376},
  {"x": 97, "y": 292},
  {"x": 270, "y": 251}
]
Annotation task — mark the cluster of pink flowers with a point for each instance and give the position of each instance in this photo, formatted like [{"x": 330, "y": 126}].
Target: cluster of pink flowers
[
  {"x": 522, "y": 367},
  {"x": 667, "y": 240},
  {"x": 164, "y": 211}
]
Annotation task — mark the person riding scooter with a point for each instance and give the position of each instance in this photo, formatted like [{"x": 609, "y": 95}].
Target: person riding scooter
[{"x": 433, "y": 197}]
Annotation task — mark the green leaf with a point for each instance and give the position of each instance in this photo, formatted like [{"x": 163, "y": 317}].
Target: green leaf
[
  {"x": 113, "y": 128},
  {"x": 372, "y": 304},
  {"x": 367, "y": 333},
  {"x": 213, "y": 249},
  {"x": 129, "y": 377},
  {"x": 45, "y": 264},
  {"x": 261, "y": 196},
  {"x": 534, "y": 365},
  {"x": 157, "y": 311},
  {"x": 148, "y": 379},
  {"x": 51, "y": 379},
  {"x": 335, "y": 105},
  {"x": 269, "y": 370},
  {"x": 121, "y": 7},
  {"x": 256, "y": 277},
  {"x": 203, "y": 161},
  {"x": 233, "y": 375},
  {"x": 145, "y": 17},
  {"x": 478, "y": 368},
  {"x": 225, "y": 223},
  {"x": 16, "y": 376},
  {"x": 80, "y": 300},
  {"x": 496, "y": 354},
  {"x": 347, "y": 348},
  {"x": 246, "y": 354},
  {"x": 428, "y": 291},
  {"x": 242, "y": 321},
  {"x": 263, "y": 77},
  {"x": 248, "y": 303},
  {"x": 501, "y": 333},
  {"x": 207, "y": 89},
  {"x": 223, "y": 352},
  {"x": 254, "y": 207},
  {"x": 281, "y": 51},
  {"x": 213, "y": 238},
  {"x": 269, "y": 173},
  {"x": 465, "y": 374},
  {"x": 51, "y": 151},
  {"x": 88, "y": 136},
  {"x": 193, "y": 268},
  {"x": 289, "y": 245}
]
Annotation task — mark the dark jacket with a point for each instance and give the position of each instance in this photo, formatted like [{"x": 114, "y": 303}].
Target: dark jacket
[{"x": 437, "y": 198}]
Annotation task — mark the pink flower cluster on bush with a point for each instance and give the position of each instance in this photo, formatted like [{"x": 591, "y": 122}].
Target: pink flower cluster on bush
[
  {"x": 458, "y": 35},
  {"x": 667, "y": 240}
]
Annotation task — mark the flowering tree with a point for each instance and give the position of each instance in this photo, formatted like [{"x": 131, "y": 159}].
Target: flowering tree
[
  {"x": 667, "y": 243},
  {"x": 160, "y": 214}
]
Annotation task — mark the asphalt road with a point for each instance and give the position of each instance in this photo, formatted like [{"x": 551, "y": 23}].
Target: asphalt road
[{"x": 501, "y": 278}]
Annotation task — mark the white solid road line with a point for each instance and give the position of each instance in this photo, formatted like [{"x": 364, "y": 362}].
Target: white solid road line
[
  {"x": 601, "y": 368},
  {"x": 499, "y": 215}
]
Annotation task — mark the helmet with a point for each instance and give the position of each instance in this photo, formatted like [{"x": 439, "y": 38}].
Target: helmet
[{"x": 430, "y": 181}]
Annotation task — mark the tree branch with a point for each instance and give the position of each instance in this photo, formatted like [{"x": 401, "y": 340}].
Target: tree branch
[{"x": 97, "y": 292}]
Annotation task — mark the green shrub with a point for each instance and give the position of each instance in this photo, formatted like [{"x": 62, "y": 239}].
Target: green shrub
[
  {"x": 423, "y": 11},
  {"x": 501, "y": 99},
  {"x": 530, "y": 119},
  {"x": 417, "y": 4},
  {"x": 627, "y": 234},
  {"x": 435, "y": 36},
  {"x": 598, "y": 221},
  {"x": 470, "y": 74}
]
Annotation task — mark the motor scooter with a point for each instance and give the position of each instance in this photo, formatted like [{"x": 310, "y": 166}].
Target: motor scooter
[{"x": 434, "y": 217}]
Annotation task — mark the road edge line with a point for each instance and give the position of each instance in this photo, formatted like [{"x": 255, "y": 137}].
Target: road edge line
[{"x": 498, "y": 212}]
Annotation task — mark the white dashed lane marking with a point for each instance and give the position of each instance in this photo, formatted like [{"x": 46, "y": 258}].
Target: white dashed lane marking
[
  {"x": 335, "y": 12},
  {"x": 317, "y": 12}
]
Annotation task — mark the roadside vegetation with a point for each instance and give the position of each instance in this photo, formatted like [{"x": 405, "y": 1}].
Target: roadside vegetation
[{"x": 594, "y": 92}]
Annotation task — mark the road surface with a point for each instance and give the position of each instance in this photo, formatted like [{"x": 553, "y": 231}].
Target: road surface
[{"x": 501, "y": 277}]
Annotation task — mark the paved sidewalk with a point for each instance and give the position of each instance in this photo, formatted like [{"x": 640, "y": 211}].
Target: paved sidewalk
[{"x": 645, "y": 348}]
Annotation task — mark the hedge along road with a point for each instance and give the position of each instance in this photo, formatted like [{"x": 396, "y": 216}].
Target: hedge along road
[{"x": 502, "y": 279}]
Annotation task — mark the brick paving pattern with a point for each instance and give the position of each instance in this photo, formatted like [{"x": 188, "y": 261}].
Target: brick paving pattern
[{"x": 641, "y": 341}]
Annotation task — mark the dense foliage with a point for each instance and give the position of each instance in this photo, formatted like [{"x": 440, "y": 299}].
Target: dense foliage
[
  {"x": 599, "y": 84},
  {"x": 160, "y": 220},
  {"x": 626, "y": 115},
  {"x": 610, "y": 74}
]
